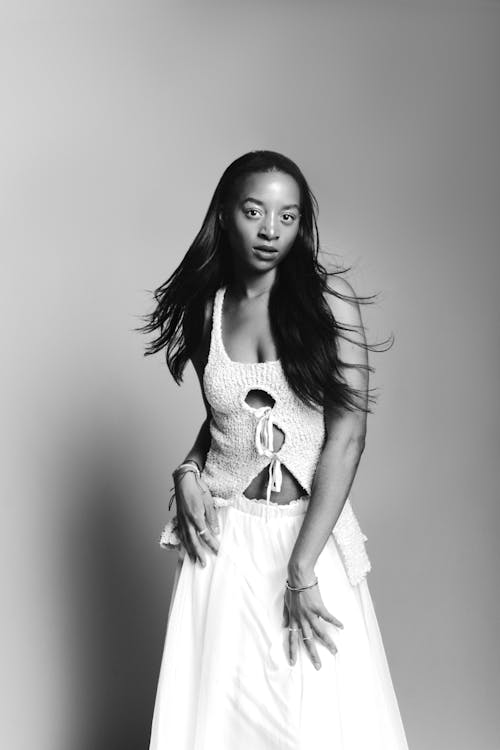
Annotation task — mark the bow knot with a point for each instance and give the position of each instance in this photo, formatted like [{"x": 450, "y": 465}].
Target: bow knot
[{"x": 264, "y": 442}]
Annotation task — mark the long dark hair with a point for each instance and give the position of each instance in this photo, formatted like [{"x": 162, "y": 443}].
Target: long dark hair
[{"x": 302, "y": 324}]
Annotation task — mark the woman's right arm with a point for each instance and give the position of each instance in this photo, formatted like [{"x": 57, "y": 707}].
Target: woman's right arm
[
  {"x": 195, "y": 509},
  {"x": 201, "y": 445}
]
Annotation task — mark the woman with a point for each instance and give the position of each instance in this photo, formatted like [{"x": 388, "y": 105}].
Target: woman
[{"x": 272, "y": 640}]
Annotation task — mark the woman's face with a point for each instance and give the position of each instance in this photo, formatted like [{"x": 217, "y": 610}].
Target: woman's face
[{"x": 263, "y": 220}]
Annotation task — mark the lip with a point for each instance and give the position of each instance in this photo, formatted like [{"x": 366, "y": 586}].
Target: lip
[{"x": 266, "y": 248}]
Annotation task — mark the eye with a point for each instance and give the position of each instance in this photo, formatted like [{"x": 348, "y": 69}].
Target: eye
[
  {"x": 288, "y": 218},
  {"x": 252, "y": 213}
]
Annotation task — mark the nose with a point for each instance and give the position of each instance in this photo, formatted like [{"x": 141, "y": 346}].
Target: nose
[{"x": 269, "y": 227}]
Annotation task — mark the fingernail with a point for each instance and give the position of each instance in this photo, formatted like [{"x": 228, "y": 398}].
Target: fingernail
[{"x": 318, "y": 666}]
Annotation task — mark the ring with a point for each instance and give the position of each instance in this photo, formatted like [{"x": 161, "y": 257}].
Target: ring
[
  {"x": 307, "y": 637},
  {"x": 203, "y": 531},
  {"x": 292, "y": 628}
]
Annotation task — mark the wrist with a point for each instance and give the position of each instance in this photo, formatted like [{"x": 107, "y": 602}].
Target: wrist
[
  {"x": 192, "y": 461},
  {"x": 186, "y": 476},
  {"x": 300, "y": 572},
  {"x": 189, "y": 465}
]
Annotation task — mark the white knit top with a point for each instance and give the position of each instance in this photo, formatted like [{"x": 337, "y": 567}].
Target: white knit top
[{"x": 242, "y": 439}]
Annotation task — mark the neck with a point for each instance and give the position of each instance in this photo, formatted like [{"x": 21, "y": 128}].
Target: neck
[{"x": 242, "y": 288}]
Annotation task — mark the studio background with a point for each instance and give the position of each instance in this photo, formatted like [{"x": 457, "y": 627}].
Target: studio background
[{"x": 118, "y": 119}]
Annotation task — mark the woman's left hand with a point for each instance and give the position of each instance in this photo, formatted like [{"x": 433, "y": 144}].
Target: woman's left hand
[{"x": 302, "y": 611}]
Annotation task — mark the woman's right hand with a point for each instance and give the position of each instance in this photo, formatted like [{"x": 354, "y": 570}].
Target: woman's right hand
[{"x": 195, "y": 512}]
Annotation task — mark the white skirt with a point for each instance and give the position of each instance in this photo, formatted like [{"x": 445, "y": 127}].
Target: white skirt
[{"x": 225, "y": 681}]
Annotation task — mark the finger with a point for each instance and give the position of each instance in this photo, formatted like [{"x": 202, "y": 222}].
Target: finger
[
  {"x": 197, "y": 546},
  {"x": 206, "y": 538},
  {"x": 185, "y": 522},
  {"x": 212, "y": 517},
  {"x": 212, "y": 520},
  {"x": 293, "y": 641},
  {"x": 326, "y": 615},
  {"x": 286, "y": 616},
  {"x": 210, "y": 510},
  {"x": 209, "y": 540},
  {"x": 308, "y": 641},
  {"x": 324, "y": 638},
  {"x": 185, "y": 541}
]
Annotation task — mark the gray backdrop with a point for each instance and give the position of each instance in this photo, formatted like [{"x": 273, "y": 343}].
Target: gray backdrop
[{"x": 117, "y": 121}]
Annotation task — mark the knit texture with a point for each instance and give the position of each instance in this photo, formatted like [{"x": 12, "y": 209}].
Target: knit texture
[
  {"x": 233, "y": 461},
  {"x": 241, "y": 439}
]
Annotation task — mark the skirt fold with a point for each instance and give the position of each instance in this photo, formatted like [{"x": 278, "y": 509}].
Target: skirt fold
[{"x": 225, "y": 681}]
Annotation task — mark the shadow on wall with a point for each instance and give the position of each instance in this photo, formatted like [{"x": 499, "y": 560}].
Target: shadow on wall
[{"x": 116, "y": 613}]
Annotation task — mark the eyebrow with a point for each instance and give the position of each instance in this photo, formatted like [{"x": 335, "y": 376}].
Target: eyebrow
[{"x": 259, "y": 203}]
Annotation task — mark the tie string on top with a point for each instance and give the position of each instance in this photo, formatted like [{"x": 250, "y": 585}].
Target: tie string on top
[{"x": 264, "y": 443}]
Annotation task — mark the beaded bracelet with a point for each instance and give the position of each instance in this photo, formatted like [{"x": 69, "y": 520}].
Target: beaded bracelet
[
  {"x": 189, "y": 465},
  {"x": 301, "y": 588},
  {"x": 186, "y": 466},
  {"x": 181, "y": 470}
]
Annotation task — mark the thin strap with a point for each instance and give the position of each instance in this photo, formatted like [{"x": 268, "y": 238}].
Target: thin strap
[
  {"x": 217, "y": 325},
  {"x": 215, "y": 334}
]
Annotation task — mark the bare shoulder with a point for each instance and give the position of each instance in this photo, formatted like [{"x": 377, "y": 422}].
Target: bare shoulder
[
  {"x": 352, "y": 355},
  {"x": 344, "y": 311},
  {"x": 207, "y": 320},
  {"x": 200, "y": 356}
]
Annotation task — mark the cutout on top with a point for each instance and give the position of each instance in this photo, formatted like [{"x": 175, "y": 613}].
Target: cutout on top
[
  {"x": 291, "y": 489},
  {"x": 257, "y": 398}
]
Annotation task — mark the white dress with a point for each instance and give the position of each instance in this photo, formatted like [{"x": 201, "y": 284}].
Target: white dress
[{"x": 225, "y": 681}]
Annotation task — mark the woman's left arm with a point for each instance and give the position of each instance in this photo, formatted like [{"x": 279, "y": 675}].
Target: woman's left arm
[
  {"x": 344, "y": 444},
  {"x": 335, "y": 472}
]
